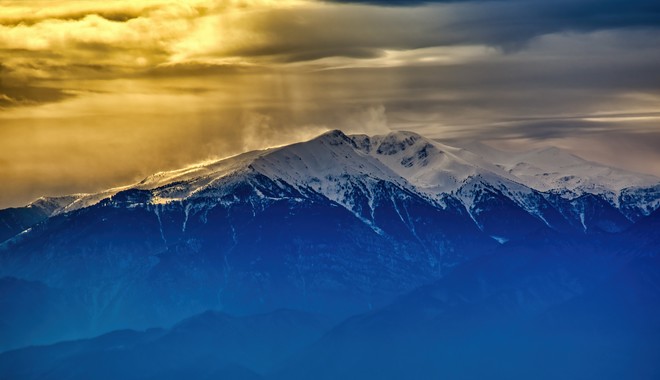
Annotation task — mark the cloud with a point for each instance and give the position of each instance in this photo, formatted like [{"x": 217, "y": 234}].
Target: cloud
[
  {"x": 512, "y": 22},
  {"x": 55, "y": 48},
  {"x": 93, "y": 39},
  {"x": 25, "y": 96},
  {"x": 97, "y": 93},
  {"x": 402, "y": 3}
]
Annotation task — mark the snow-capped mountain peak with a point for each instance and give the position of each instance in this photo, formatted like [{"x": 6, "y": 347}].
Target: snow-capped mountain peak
[
  {"x": 339, "y": 167},
  {"x": 555, "y": 170}
]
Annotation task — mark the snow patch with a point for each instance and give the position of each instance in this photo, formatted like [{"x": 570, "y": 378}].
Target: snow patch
[{"x": 499, "y": 239}]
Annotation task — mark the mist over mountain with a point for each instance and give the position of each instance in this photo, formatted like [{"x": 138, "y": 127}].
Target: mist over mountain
[{"x": 403, "y": 257}]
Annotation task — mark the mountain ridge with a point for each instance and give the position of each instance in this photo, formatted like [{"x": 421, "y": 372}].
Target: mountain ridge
[
  {"x": 338, "y": 225},
  {"x": 425, "y": 166}
]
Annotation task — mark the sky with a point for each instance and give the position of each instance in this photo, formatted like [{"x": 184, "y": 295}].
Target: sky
[{"x": 96, "y": 94}]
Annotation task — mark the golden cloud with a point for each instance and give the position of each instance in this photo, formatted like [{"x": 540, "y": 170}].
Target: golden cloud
[
  {"x": 41, "y": 40},
  {"x": 99, "y": 93}
]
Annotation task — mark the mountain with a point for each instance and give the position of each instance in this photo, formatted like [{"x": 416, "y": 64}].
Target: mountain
[
  {"x": 431, "y": 261},
  {"x": 16, "y": 220},
  {"x": 33, "y": 311},
  {"x": 337, "y": 225},
  {"x": 545, "y": 308},
  {"x": 552, "y": 170},
  {"x": 217, "y": 346}
]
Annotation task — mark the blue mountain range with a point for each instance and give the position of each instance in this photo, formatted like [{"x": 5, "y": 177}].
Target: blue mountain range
[{"x": 347, "y": 256}]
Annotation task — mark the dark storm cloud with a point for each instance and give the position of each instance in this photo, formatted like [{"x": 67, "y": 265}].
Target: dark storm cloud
[
  {"x": 316, "y": 32},
  {"x": 550, "y": 129},
  {"x": 565, "y": 75},
  {"x": 400, "y": 3},
  {"x": 513, "y": 21},
  {"x": 30, "y": 95}
]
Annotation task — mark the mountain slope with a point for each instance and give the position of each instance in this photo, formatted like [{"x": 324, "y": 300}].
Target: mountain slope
[
  {"x": 545, "y": 308},
  {"x": 552, "y": 170},
  {"x": 216, "y": 345},
  {"x": 335, "y": 240},
  {"x": 16, "y": 220},
  {"x": 337, "y": 225}
]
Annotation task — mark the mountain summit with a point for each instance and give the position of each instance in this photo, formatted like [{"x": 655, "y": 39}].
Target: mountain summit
[{"x": 336, "y": 225}]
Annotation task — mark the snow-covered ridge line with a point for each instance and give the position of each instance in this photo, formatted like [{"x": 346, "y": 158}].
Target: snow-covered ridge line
[
  {"x": 553, "y": 169},
  {"x": 337, "y": 165}
]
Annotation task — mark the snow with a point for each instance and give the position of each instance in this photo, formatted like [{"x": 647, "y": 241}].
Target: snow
[
  {"x": 428, "y": 165},
  {"x": 500, "y": 239},
  {"x": 54, "y": 205},
  {"x": 332, "y": 166},
  {"x": 555, "y": 170},
  {"x": 61, "y": 205},
  {"x": 437, "y": 169},
  {"x": 338, "y": 167}
]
